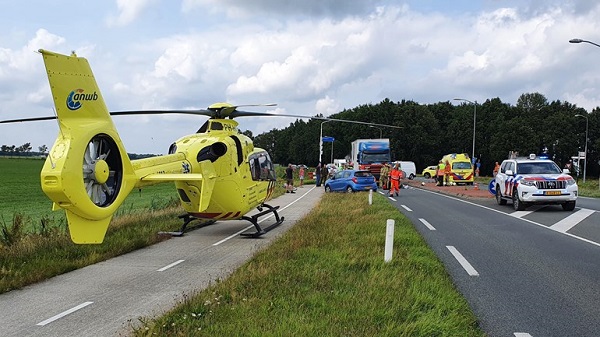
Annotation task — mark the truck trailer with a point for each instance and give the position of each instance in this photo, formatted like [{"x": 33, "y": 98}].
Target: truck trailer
[{"x": 370, "y": 154}]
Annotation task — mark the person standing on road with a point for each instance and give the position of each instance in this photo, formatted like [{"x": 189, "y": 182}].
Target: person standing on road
[
  {"x": 384, "y": 175},
  {"x": 289, "y": 175},
  {"x": 441, "y": 171},
  {"x": 395, "y": 176},
  {"x": 318, "y": 174},
  {"x": 447, "y": 172},
  {"x": 496, "y": 169},
  {"x": 301, "y": 175},
  {"x": 324, "y": 174}
]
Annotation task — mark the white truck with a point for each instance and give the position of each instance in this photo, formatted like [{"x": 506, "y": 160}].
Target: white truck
[{"x": 370, "y": 154}]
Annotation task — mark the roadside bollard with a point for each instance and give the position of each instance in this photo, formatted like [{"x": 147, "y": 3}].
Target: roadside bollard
[
  {"x": 389, "y": 240},
  {"x": 370, "y": 197}
]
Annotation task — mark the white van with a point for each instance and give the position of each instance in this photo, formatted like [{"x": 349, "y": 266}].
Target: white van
[{"x": 409, "y": 168}]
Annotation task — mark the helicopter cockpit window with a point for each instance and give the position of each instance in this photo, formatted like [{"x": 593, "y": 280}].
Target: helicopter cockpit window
[
  {"x": 203, "y": 128},
  {"x": 216, "y": 126},
  {"x": 261, "y": 167}
]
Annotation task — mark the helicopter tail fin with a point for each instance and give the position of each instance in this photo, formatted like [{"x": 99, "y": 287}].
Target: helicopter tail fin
[{"x": 87, "y": 172}]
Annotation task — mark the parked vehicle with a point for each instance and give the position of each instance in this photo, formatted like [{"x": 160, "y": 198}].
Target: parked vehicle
[
  {"x": 409, "y": 168},
  {"x": 351, "y": 181},
  {"x": 528, "y": 181},
  {"x": 430, "y": 172},
  {"x": 370, "y": 154},
  {"x": 461, "y": 168}
]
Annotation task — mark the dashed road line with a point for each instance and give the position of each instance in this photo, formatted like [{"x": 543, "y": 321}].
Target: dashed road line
[
  {"x": 463, "y": 262},
  {"x": 64, "y": 313},
  {"x": 427, "y": 224},
  {"x": 171, "y": 265},
  {"x": 406, "y": 208},
  {"x": 522, "y": 334}
]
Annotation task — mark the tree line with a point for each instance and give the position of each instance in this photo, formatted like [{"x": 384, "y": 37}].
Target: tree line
[
  {"x": 23, "y": 150},
  {"x": 429, "y": 131}
]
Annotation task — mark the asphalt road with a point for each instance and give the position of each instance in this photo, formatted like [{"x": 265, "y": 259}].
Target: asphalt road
[
  {"x": 105, "y": 299},
  {"x": 525, "y": 274}
]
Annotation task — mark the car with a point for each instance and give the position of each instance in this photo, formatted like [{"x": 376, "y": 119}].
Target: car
[
  {"x": 528, "y": 181},
  {"x": 351, "y": 181},
  {"x": 430, "y": 172},
  {"x": 408, "y": 167}
]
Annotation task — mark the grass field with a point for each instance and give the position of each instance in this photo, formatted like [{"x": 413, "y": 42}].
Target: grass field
[
  {"x": 326, "y": 277},
  {"x": 21, "y": 192}
]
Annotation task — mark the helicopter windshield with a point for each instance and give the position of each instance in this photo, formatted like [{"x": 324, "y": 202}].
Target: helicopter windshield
[{"x": 261, "y": 166}]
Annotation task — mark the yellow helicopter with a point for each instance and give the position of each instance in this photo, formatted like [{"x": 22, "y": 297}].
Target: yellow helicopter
[{"x": 218, "y": 173}]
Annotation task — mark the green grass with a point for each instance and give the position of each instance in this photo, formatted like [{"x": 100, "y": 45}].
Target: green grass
[
  {"x": 326, "y": 277},
  {"x": 21, "y": 193},
  {"x": 34, "y": 243},
  {"x": 37, "y": 257}
]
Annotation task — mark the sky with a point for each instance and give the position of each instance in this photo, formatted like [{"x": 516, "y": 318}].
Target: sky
[{"x": 310, "y": 57}]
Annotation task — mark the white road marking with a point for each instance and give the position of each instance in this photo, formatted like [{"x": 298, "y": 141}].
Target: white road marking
[
  {"x": 520, "y": 214},
  {"x": 463, "y": 262},
  {"x": 427, "y": 224},
  {"x": 406, "y": 208},
  {"x": 569, "y": 222},
  {"x": 265, "y": 218},
  {"x": 171, "y": 265},
  {"x": 504, "y": 213},
  {"x": 392, "y": 199},
  {"x": 64, "y": 313},
  {"x": 522, "y": 334}
]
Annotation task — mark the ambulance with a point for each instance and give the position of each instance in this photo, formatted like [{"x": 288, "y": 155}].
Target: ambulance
[{"x": 461, "y": 168}]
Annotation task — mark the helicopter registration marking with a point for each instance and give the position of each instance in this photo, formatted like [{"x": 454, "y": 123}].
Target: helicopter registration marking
[{"x": 230, "y": 128}]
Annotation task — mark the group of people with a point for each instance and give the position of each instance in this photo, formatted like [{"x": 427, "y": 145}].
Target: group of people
[
  {"x": 324, "y": 172},
  {"x": 444, "y": 170},
  {"x": 289, "y": 177},
  {"x": 390, "y": 177}
]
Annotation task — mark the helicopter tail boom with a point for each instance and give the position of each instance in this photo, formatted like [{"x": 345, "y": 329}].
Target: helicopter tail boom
[{"x": 87, "y": 172}]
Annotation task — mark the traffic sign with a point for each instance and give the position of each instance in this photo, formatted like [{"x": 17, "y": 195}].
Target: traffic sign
[{"x": 492, "y": 187}]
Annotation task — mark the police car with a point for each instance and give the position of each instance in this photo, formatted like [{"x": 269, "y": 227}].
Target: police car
[{"x": 528, "y": 181}]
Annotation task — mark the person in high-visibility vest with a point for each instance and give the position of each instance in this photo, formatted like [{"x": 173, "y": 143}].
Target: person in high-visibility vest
[
  {"x": 395, "y": 176},
  {"x": 447, "y": 172},
  {"x": 441, "y": 171},
  {"x": 384, "y": 175}
]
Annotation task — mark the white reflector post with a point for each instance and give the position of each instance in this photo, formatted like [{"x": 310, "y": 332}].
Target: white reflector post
[
  {"x": 370, "y": 197},
  {"x": 389, "y": 240}
]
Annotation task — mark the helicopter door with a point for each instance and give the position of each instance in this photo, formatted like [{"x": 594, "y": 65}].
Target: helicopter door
[{"x": 261, "y": 167}]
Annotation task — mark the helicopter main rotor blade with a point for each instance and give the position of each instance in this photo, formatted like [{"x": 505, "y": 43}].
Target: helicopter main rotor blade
[
  {"x": 163, "y": 112},
  {"x": 239, "y": 113},
  {"x": 212, "y": 114},
  {"x": 32, "y": 119}
]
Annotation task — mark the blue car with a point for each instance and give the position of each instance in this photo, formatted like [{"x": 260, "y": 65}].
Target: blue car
[{"x": 351, "y": 181}]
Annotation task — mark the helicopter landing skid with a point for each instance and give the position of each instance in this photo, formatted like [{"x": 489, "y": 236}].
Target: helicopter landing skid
[
  {"x": 254, "y": 220},
  {"x": 187, "y": 218}
]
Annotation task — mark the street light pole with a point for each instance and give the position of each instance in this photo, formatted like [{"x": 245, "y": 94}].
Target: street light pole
[
  {"x": 586, "y": 141},
  {"x": 474, "y": 123},
  {"x": 321, "y": 141},
  {"x": 380, "y": 131},
  {"x": 580, "y": 41}
]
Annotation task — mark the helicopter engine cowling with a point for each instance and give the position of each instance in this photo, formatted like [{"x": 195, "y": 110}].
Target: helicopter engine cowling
[{"x": 212, "y": 152}]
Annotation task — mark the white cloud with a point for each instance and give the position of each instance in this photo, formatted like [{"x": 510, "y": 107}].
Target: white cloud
[{"x": 128, "y": 11}]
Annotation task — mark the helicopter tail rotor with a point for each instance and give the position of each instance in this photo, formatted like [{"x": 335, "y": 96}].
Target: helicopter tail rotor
[{"x": 87, "y": 172}]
